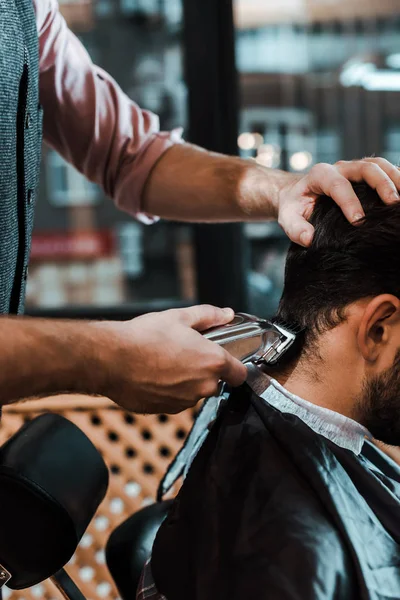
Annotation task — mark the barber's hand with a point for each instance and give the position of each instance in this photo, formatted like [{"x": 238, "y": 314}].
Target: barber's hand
[
  {"x": 159, "y": 363},
  {"x": 296, "y": 200}
]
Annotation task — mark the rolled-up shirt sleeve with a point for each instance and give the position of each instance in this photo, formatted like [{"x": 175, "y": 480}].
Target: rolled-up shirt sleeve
[{"x": 90, "y": 121}]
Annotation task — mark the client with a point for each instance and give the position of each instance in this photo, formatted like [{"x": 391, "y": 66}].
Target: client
[{"x": 287, "y": 498}]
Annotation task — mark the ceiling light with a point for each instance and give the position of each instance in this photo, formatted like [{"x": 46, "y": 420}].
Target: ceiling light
[
  {"x": 300, "y": 161},
  {"x": 246, "y": 141},
  {"x": 393, "y": 61}
]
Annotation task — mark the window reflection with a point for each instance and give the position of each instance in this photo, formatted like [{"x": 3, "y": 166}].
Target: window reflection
[
  {"x": 320, "y": 82},
  {"x": 84, "y": 251}
]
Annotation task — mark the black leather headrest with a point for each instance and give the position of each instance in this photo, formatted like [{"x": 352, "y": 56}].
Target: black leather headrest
[{"x": 52, "y": 480}]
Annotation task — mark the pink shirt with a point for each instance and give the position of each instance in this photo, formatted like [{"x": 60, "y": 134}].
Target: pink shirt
[{"x": 90, "y": 121}]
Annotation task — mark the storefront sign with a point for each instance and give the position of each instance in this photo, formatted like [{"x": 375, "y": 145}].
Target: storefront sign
[{"x": 69, "y": 245}]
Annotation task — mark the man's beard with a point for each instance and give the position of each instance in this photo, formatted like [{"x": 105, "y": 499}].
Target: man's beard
[{"x": 380, "y": 405}]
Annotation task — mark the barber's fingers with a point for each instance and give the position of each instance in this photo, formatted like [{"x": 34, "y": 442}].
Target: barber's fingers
[
  {"x": 297, "y": 202},
  {"x": 293, "y": 221},
  {"x": 390, "y": 169},
  {"x": 332, "y": 181},
  {"x": 232, "y": 370},
  {"x": 222, "y": 364},
  {"x": 378, "y": 173},
  {"x": 204, "y": 317}
]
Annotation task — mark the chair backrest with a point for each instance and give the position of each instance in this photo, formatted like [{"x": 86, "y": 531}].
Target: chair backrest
[
  {"x": 130, "y": 545},
  {"x": 52, "y": 480}
]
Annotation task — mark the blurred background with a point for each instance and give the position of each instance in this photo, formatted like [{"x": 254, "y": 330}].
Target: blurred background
[{"x": 286, "y": 83}]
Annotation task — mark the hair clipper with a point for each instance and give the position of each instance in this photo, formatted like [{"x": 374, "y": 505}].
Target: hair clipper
[{"x": 250, "y": 339}]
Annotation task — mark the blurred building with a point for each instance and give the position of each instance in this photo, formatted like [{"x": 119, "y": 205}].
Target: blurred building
[
  {"x": 84, "y": 251},
  {"x": 319, "y": 81}
]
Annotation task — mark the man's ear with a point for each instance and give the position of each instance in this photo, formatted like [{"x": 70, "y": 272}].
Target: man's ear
[{"x": 377, "y": 324}]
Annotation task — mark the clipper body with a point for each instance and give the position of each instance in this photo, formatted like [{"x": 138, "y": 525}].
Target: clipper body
[{"x": 250, "y": 339}]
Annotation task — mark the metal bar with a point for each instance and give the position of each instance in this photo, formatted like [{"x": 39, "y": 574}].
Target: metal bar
[
  {"x": 209, "y": 45},
  {"x": 66, "y": 586}
]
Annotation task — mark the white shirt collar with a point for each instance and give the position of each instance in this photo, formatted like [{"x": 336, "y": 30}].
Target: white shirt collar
[{"x": 337, "y": 428}]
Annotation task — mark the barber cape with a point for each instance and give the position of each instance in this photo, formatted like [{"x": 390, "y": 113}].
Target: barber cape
[{"x": 270, "y": 510}]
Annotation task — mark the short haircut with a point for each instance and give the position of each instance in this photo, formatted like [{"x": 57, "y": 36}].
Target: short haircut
[{"x": 343, "y": 264}]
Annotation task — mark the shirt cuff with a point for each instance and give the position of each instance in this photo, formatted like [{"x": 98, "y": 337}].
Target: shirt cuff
[{"x": 129, "y": 195}]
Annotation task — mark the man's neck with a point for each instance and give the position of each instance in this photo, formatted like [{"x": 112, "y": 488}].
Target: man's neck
[
  {"x": 292, "y": 395},
  {"x": 319, "y": 385}
]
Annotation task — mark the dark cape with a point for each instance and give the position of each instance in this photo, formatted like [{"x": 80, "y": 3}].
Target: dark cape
[{"x": 271, "y": 510}]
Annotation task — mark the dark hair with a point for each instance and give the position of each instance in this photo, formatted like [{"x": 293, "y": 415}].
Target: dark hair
[{"x": 344, "y": 264}]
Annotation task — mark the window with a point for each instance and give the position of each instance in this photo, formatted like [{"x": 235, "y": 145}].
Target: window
[
  {"x": 84, "y": 251},
  {"x": 320, "y": 81},
  {"x": 66, "y": 186}
]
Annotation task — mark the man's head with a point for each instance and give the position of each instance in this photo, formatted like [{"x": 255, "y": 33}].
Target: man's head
[{"x": 344, "y": 291}]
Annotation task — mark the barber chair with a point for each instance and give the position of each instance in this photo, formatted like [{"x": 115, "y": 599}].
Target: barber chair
[
  {"x": 52, "y": 480},
  {"x": 129, "y": 547}
]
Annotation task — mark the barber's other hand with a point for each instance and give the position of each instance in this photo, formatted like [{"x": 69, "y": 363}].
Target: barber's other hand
[
  {"x": 159, "y": 363},
  {"x": 296, "y": 200}
]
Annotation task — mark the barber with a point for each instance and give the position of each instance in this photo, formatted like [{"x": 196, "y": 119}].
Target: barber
[{"x": 158, "y": 362}]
